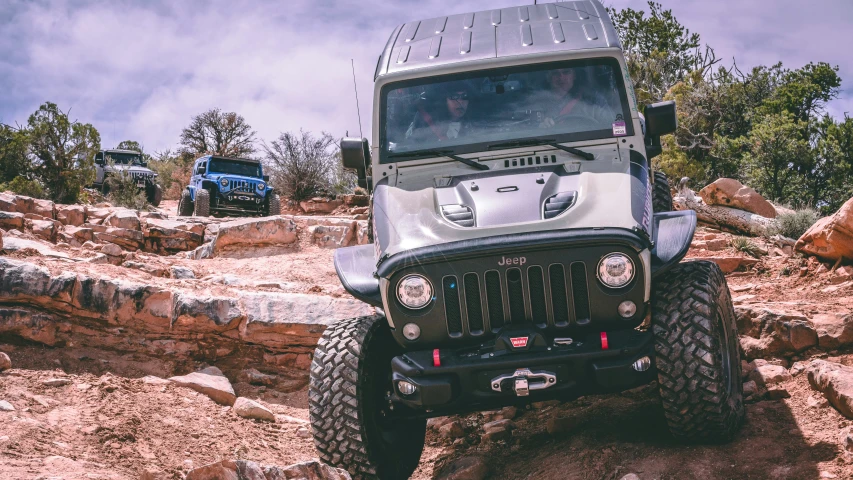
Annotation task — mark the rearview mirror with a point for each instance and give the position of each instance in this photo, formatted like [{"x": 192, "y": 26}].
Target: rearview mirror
[
  {"x": 355, "y": 155},
  {"x": 660, "y": 119}
]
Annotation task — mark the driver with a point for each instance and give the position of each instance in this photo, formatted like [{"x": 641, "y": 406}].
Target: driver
[
  {"x": 450, "y": 120},
  {"x": 565, "y": 96}
]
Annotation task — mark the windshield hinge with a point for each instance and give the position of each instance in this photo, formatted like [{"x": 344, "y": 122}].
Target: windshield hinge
[{"x": 645, "y": 235}]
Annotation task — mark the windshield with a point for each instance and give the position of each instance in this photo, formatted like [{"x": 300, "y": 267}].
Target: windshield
[
  {"x": 246, "y": 169},
  {"x": 566, "y": 101},
  {"x": 123, "y": 158}
]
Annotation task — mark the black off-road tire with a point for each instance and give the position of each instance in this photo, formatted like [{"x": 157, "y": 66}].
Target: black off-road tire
[
  {"x": 185, "y": 205},
  {"x": 697, "y": 354},
  {"x": 202, "y": 203},
  {"x": 274, "y": 206},
  {"x": 661, "y": 194},
  {"x": 350, "y": 377},
  {"x": 156, "y": 196}
]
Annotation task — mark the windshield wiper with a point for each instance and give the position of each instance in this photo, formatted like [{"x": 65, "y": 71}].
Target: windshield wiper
[
  {"x": 550, "y": 142},
  {"x": 441, "y": 153}
]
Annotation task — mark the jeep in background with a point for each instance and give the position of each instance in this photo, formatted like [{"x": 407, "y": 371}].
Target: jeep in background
[
  {"x": 130, "y": 162},
  {"x": 524, "y": 249},
  {"x": 225, "y": 185}
]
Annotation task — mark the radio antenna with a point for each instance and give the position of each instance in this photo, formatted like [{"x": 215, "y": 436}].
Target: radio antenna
[{"x": 355, "y": 86}]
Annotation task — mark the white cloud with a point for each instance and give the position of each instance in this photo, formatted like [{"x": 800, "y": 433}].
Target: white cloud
[{"x": 140, "y": 70}]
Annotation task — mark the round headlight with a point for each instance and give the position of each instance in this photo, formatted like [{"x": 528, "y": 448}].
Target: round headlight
[
  {"x": 414, "y": 291},
  {"x": 224, "y": 182},
  {"x": 615, "y": 270},
  {"x": 261, "y": 186}
]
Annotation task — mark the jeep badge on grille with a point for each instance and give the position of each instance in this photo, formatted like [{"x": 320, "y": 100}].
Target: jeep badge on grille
[{"x": 512, "y": 261}]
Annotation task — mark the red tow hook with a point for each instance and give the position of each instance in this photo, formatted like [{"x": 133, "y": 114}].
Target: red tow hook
[
  {"x": 604, "y": 345},
  {"x": 436, "y": 358}
]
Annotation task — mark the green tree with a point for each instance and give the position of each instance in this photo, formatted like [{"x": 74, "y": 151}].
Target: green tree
[
  {"x": 62, "y": 152},
  {"x": 13, "y": 153},
  {"x": 302, "y": 166},
  {"x": 216, "y": 132},
  {"x": 659, "y": 50},
  {"x": 775, "y": 146}
]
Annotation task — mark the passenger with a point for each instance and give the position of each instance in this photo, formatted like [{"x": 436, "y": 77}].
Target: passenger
[
  {"x": 452, "y": 119},
  {"x": 567, "y": 96}
]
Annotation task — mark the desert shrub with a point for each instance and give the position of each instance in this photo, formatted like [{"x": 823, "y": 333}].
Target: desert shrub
[
  {"x": 301, "y": 165},
  {"x": 747, "y": 246},
  {"x": 173, "y": 172},
  {"x": 24, "y": 186},
  {"x": 794, "y": 225},
  {"x": 124, "y": 192}
]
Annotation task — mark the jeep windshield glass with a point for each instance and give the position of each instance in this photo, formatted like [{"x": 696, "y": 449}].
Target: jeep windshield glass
[
  {"x": 123, "y": 158},
  {"x": 464, "y": 113},
  {"x": 234, "y": 167}
]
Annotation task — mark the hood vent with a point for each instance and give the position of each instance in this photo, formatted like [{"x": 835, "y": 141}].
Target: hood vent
[
  {"x": 559, "y": 203},
  {"x": 461, "y": 215}
]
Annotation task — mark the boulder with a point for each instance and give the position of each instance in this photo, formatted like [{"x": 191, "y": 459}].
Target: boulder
[
  {"x": 464, "y": 468},
  {"x": 76, "y": 236},
  {"x": 253, "y": 232},
  {"x": 830, "y": 238},
  {"x": 210, "y": 382},
  {"x": 131, "y": 240},
  {"x": 7, "y": 202},
  {"x": 112, "y": 250},
  {"x": 729, "y": 264},
  {"x": 332, "y": 236},
  {"x": 170, "y": 236},
  {"x": 74, "y": 215},
  {"x": 5, "y": 362},
  {"x": 45, "y": 208},
  {"x": 10, "y": 220},
  {"x": 731, "y": 193},
  {"x": 356, "y": 200},
  {"x": 310, "y": 470},
  {"x": 44, "y": 229},
  {"x": 255, "y": 377},
  {"x": 835, "y": 382},
  {"x": 764, "y": 332},
  {"x": 248, "y": 470},
  {"x": 181, "y": 273},
  {"x": 251, "y": 409},
  {"x": 452, "y": 429},
  {"x": 320, "y": 205},
  {"x": 769, "y": 375},
  {"x": 127, "y": 219},
  {"x": 834, "y": 330}
]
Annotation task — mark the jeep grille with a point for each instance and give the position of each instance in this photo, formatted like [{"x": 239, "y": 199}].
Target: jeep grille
[
  {"x": 245, "y": 186},
  {"x": 517, "y": 296}
]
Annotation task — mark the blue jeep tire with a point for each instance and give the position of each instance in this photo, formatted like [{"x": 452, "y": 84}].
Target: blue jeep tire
[
  {"x": 274, "y": 205},
  {"x": 202, "y": 203},
  {"x": 185, "y": 205}
]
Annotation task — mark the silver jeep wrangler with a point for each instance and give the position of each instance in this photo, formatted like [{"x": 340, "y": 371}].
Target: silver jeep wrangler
[
  {"x": 523, "y": 249},
  {"x": 129, "y": 162}
]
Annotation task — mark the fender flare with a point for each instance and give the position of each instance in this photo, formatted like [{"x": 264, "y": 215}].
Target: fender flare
[
  {"x": 355, "y": 267},
  {"x": 673, "y": 232}
]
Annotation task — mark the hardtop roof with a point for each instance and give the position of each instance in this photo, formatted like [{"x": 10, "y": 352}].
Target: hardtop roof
[
  {"x": 119, "y": 150},
  {"x": 528, "y": 29}
]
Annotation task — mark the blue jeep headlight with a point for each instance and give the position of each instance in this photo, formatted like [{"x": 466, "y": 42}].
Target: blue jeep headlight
[
  {"x": 261, "y": 186},
  {"x": 223, "y": 182}
]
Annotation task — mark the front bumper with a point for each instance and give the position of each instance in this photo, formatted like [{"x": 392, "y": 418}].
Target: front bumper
[{"x": 464, "y": 381}]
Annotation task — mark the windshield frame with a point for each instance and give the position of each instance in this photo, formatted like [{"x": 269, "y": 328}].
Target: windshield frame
[
  {"x": 134, "y": 158},
  {"x": 604, "y": 134},
  {"x": 220, "y": 160}
]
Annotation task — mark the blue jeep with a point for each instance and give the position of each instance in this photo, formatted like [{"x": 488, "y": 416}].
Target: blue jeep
[{"x": 225, "y": 185}]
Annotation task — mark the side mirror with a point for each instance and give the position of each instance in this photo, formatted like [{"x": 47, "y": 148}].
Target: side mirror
[
  {"x": 202, "y": 170},
  {"x": 266, "y": 178},
  {"x": 660, "y": 119},
  {"x": 355, "y": 155}
]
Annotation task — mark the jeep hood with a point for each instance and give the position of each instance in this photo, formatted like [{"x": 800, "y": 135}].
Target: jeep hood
[{"x": 433, "y": 204}]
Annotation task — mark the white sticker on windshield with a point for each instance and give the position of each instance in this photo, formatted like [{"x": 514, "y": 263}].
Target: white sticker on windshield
[{"x": 619, "y": 129}]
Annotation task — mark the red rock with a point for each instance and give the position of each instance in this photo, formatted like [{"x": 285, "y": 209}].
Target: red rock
[
  {"x": 769, "y": 375},
  {"x": 835, "y": 381},
  {"x": 731, "y": 193},
  {"x": 464, "y": 468},
  {"x": 210, "y": 382},
  {"x": 729, "y": 264},
  {"x": 452, "y": 429},
  {"x": 74, "y": 215},
  {"x": 717, "y": 244},
  {"x": 830, "y": 238},
  {"x": 10, "y": 220},
  {"x": 320, "y": 205}
]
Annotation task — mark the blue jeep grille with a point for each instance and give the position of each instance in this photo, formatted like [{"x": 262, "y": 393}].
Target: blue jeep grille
[{"x": 243, "y": 186}]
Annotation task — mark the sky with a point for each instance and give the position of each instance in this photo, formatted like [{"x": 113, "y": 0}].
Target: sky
[{"x": 139, "y": 70}]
